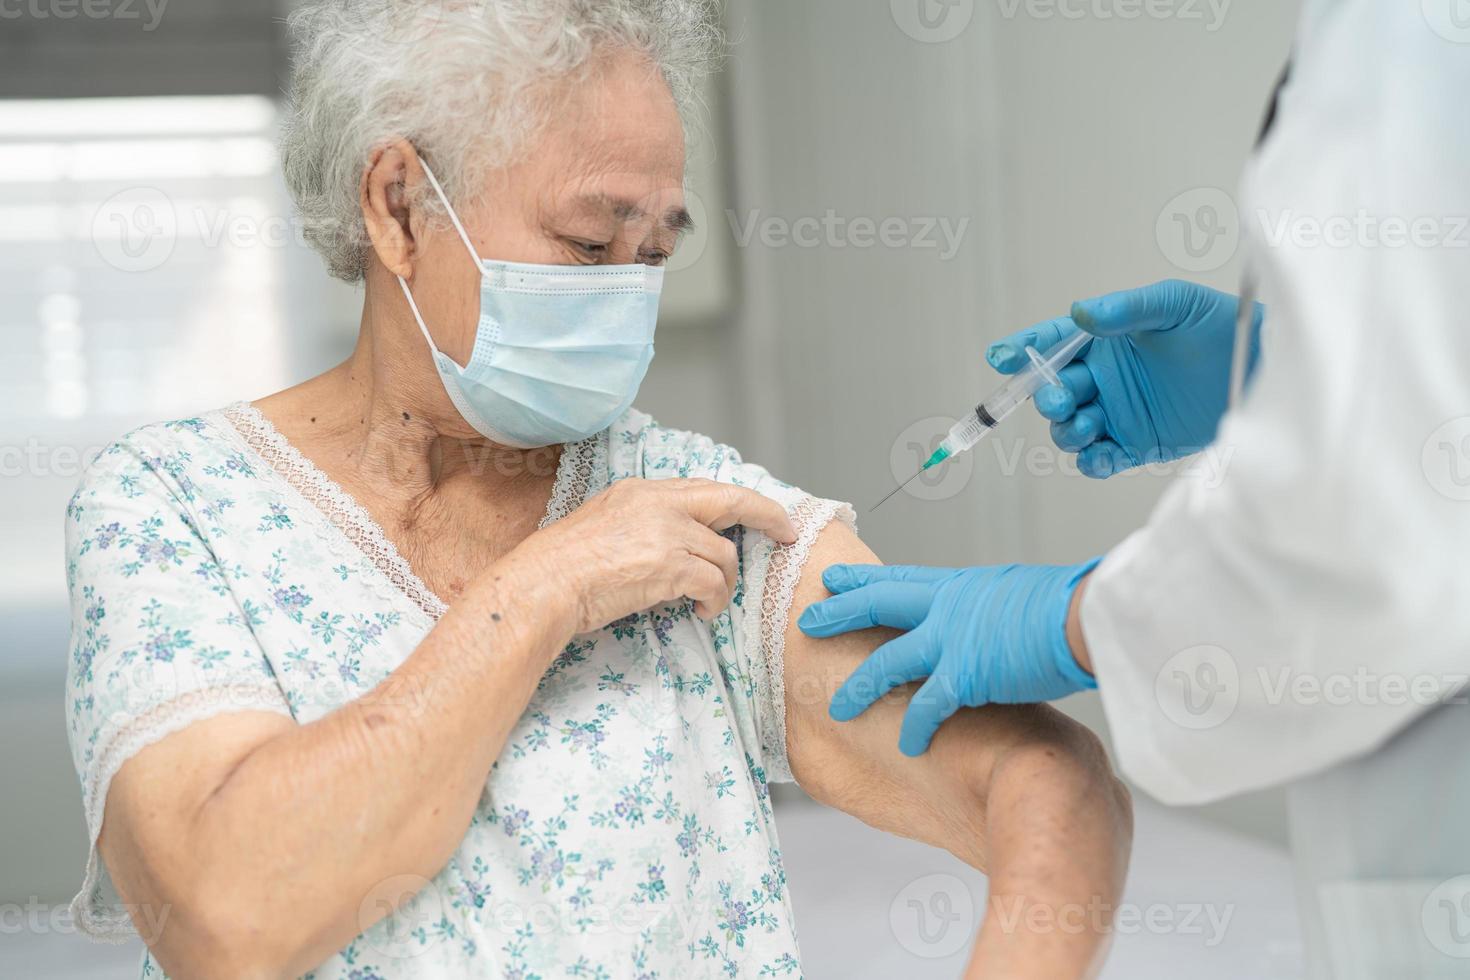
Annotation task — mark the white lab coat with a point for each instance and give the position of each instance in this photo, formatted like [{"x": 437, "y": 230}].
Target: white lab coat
[{"x": 1333, "y": 556}]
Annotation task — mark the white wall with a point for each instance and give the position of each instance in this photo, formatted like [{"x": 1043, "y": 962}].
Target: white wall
[{"x": 1061, "y": 140}]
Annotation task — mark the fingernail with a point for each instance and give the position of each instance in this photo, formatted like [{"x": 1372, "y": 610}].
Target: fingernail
[
  {"x": 808, "y": 620},
  {"x": 1000, "y": 356},
  {"x": 1082, "y": 315}
]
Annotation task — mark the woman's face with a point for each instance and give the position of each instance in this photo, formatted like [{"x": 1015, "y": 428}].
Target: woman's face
[{"x": 602, "y": 184}]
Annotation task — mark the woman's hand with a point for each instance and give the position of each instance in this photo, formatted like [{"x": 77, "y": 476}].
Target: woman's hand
[{"x": 642, "y": 542}]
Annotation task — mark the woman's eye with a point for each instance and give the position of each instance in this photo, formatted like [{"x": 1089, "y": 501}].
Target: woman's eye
[
  {"x": 593, "y": 249},
  {"x": 653, "y": 258}
]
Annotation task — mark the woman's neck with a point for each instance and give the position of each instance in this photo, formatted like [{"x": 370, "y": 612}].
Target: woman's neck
[{"x": 382, "y": 422}]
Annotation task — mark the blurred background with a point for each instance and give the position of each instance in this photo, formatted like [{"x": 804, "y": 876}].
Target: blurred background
[{"x": 882, "y": 189}]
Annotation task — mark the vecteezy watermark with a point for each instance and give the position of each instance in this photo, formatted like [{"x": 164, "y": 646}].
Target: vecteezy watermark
[
  {"x": 35, "y": 458},
  {"x": 1363, "y": 229},
  {"x": 149, "y": 13},
  {"x": 933, "y": 916},
  {"x": 1015, "y": 455},
  {"x": 1445, "y": 917},
  {"x": 162, "y": 669},
  {"x": 695, "y": 239},
  {"x": 403, "y": 916},
  {"x": 833, "y": 231},
  {"x": 1205, "y": 920},
  {"x": 136, "y": 230},
  {"x": 913, "y": 447},
  {"x": 1361, "y": 686},
  {"x": 1207, "y": 465},
  {"x": 35, "y": 917},
  {"x": 1446, "y": 459},
  {"x": 1450, "y": 19},
  {"x": 1198, "y": 688},
  {"x": 1210, "y": 14},
  {"x": 932, "y": 21},
  {"x": 1199, "y": 230}
]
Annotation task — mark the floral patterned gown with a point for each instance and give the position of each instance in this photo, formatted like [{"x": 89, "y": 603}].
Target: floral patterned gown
[{"x": 625, "y": 831}]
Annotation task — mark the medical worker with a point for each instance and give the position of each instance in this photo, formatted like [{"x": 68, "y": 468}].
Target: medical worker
[{"x": 1316, "y": 601}]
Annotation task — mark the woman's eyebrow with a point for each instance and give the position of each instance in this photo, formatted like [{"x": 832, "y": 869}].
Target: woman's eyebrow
[{"x": 625, "y": 209}]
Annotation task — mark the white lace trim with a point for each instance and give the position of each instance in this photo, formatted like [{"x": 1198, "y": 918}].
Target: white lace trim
[
  {"x": 779, "y": 570},
  {"x": 581, "y": 470},
  {"x": 92, "y": 915}
]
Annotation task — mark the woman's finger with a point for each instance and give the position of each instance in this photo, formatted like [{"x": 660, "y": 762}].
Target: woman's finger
[
  {"x": 721, "y": 505},
  {"x": 719, "y": 551},
  {"x": 705, "y": 584}
]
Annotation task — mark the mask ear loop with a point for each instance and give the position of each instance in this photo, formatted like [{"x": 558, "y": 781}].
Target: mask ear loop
[
  {"x": 463, "y": 236},
  {"x": 417, "y": 317}
]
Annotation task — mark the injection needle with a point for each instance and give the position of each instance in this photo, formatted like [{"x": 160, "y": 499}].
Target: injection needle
[{"x": 896, "y": 489}]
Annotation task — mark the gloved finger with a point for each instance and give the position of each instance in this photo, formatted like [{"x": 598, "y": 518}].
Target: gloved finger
[
  {"x": 1088, "y": 425},
  {"x": 1156, "y": 307},
  {"x": 844, "y": 578},
  {"x": 899, "y": 661},
  {"x": 1008, "y": 355},
  {"x": 900, "y": 605},
  {"x": 933, "y": 703},
  {"x": 1102, "y": 459},
  {"x": 1059, "y": 402}
]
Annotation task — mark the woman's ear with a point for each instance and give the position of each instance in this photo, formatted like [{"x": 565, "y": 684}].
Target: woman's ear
[{"x": 393, "y": 168}]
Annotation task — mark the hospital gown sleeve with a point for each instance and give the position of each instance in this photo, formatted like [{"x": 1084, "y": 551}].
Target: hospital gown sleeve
[
  {"x": 158, "y": 641},
  {"x": 1313, "y": 602},
  {"x": 770, "y": 574},
  {"x": 750, "y": 636}
]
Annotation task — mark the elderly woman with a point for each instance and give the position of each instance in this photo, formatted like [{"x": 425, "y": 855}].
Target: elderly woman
[{"x": 448, "y": 663}]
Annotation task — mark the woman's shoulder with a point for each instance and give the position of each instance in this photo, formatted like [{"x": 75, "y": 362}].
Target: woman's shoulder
[
  {"x": 639, "y": 446},
  {"x": 166, "y": 458}
]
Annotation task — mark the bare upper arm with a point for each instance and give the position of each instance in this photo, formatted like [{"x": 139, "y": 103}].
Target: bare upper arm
[{"x": 856, "y": 766}]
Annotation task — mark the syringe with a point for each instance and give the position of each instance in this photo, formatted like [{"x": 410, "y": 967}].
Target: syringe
[{"x": 1017, "y": 390}]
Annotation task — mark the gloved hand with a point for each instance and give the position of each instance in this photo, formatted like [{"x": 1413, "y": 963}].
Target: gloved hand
[
  {"x": 1154, "y": 384},
  {"x": 981, "y": 635}
]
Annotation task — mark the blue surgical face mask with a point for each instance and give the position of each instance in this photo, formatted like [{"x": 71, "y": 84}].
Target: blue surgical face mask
[{"x": 560, "y": 350}]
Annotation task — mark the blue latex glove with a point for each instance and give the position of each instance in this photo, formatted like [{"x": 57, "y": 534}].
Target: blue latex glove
[
  {"x": 980, "y": 635},
  {"x": 1154, "y": 384}
]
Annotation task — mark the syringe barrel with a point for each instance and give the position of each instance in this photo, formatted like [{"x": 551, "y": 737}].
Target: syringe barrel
[
  {"x": 1011, "y": 395},
  {"x": 1031, "y": 379},
  {"x": 966, "y": 432}
]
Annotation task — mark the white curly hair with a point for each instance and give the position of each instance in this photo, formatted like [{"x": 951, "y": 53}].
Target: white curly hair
[{"x": 460, "y": 79}]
